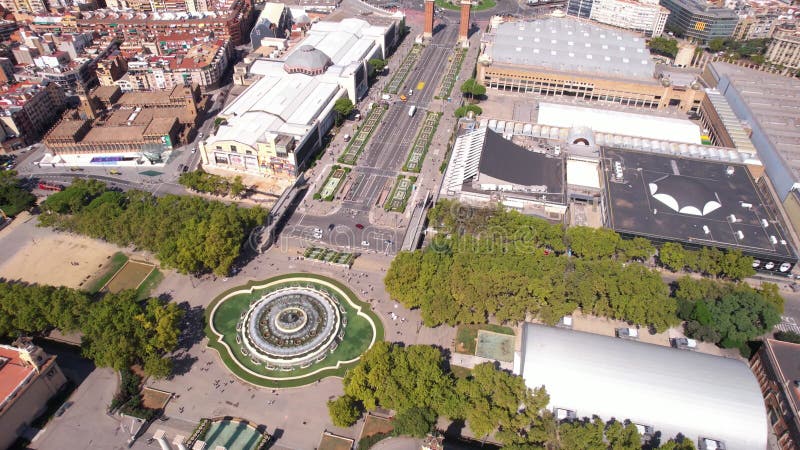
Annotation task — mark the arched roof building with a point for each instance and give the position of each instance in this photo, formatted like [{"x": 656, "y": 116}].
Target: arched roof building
[{"x": 673, "y": 391}]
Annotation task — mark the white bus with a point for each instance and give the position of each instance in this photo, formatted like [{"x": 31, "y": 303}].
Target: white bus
[{"x": 411, "y": 111}]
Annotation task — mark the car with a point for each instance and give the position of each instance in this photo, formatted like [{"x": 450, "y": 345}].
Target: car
[
  {"x": 331, "y": 227},
  {"x": 627, "y": 333},
  {"x": 194, "y": 150},
  {"x": 200, "y": 135},
  {"x": 365, "y": 243},
  {"x": 60, "y": 411},
  {"x": 684, "y": 343},
  {"x": 115, "y": 172},
  {"x": 185, "y": 169},
  {"x": 359, "y": 226}
]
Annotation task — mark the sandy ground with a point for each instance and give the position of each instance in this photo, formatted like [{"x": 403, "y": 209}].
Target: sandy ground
[{"x": 43, "y": 256}]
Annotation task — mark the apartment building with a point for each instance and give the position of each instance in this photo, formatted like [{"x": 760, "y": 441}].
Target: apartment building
[
  {"x": 28, "y": 110},
  {"x": 784, "y": 49}
]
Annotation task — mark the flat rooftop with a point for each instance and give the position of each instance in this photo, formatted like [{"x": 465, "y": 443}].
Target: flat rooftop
[
  {"x": 619, "y": 122},
  {"x": 774, "y": 102},
  {"x": 571, "y": 45},
  {"x": 668, "y": 198}
]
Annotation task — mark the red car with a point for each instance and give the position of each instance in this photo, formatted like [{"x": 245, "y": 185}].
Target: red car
[{"x": 359, "y": 226}]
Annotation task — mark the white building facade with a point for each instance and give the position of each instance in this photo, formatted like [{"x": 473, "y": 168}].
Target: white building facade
[
  {"x": 277, "y": 124},
  {"x": 645, "y": 16}
]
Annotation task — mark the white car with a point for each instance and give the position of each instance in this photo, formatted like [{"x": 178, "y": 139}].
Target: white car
[{"x": 365, "y": 243}]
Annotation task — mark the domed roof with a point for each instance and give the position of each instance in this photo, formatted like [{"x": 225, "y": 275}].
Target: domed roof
[{"x": 307, "y": 59}]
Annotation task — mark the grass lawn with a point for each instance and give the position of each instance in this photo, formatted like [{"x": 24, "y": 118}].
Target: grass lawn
[
  {"x": 130, "y": 277},
  {"x": 484, "y": 5},
  {"x": 330, "y": 442},
  {"x": 151, "y": 282},
  {"x": 114, "y": 264},
  {"x": 358, "y": 336},
  {"x": 467, "y": 336},
  {"x": 375, "y": 425}
]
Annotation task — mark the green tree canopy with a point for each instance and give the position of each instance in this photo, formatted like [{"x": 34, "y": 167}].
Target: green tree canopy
[
  {"x": 729, "y": 314},
  {"x": 118, "y": 331},
  {"x": 496, "y": 401},
  {"x": 13, "y": 197},
  {"x": 344, "y": 411},
  {"x": 664, "y": 46},
  {"x": 377, "y": 64},
  {"x": 472, "y": 88},
  {"x": 188, "y": 233},
  {"x": 416, "y": 422},
  {"x": 462, "y": 111},
  {"x": 343, "y": 107}
]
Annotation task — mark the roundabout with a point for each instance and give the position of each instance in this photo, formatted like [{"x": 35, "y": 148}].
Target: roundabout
[{"x": 290, "y": 330}]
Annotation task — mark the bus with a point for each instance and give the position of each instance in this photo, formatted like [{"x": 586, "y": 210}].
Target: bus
[{"x": 411, "y": 111}]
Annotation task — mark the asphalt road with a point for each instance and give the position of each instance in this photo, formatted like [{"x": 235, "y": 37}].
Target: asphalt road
[{"x": 382, "y": 160}]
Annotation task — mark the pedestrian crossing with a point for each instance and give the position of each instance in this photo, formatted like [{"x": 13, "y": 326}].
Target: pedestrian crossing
[{"x": 788, "y": 324}]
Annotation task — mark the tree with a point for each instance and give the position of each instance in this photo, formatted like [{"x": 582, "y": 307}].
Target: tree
[
  {"x": 716, "y": 45},
  {"x": 344, "y": 411},
  {"x": 678, "y": 443},
  {"x": 672, "y": 256},
  {"x": 377, "y": 64},
  {"x": 664, "y": 46},
  {"x": 191, "y": 234},
  {"x": 400, "y": 378},
  {"x": 415, "y": 422},
  {"x": 462, "y": 111},
  {"x": 582, "y": 435},
  {"x": 623, "y": 436},
  {"x": 13, "y": 197},
  {"x": 495, "y": 400},
  {"x": 343, "y": 107},
  {"x": 592, "y": 243},
  {"x": 472, "y": 88},
  {"x": 638, "y": 248}
]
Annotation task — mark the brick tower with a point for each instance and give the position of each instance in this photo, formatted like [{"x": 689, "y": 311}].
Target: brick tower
[
  {"x": 463, "y": 29},
  {"x": 428, "y": 31}
]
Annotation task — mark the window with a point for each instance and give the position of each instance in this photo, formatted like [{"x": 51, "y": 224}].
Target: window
[{"x": 233, "y": 149}]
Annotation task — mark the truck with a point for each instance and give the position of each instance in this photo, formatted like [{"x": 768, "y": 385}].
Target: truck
[{"x": 411, "y": 111}]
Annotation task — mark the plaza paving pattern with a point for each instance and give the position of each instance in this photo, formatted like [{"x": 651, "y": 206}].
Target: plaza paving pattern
[{"x": 363, "y": 329}]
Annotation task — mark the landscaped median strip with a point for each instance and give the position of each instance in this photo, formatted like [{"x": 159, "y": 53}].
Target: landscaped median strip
[
  {"x": 422, "y": 142},
  {"x": 359, "y": 141},
  {"x": 401, "y": 192},
  {"x": 332, "y": 184},
  {"x": 217, "y": 342},
  {"x": 405, "y": 68},
  {"x": 453, "y": 69}
]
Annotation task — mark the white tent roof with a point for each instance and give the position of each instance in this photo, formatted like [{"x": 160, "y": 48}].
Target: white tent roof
[
  {"x": 674, "y": 391},
  {"x": 618, "y": 122}
]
